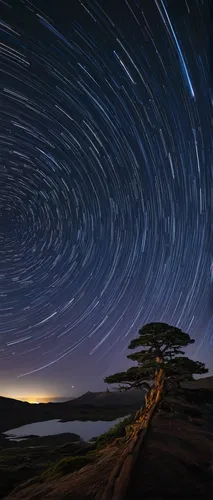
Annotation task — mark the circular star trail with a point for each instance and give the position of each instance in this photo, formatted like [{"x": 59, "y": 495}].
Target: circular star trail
[{"x": 105, "y": 179}]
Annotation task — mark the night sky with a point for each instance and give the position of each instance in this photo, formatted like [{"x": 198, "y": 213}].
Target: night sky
[{"x": 105, "y": 185}]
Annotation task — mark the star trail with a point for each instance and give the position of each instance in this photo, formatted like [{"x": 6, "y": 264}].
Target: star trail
[{"x": 105, "y": 184}]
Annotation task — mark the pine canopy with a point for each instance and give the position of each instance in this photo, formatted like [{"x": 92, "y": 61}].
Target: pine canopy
[{"x": 161, "y": 350}]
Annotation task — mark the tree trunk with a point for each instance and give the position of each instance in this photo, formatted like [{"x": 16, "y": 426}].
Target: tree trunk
[
  {"x": 118, "y": 482},
  {"x": 119, "y": 479}
]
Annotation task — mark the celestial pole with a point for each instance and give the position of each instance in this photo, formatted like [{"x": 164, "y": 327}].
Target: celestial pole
[{"x": 105, "y": 180}]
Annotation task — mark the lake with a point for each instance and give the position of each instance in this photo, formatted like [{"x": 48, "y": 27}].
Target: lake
[{"x": 87, "y": 430}]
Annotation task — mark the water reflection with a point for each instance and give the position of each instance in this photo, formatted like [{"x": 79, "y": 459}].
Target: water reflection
[{"x": 87, "y": 430}]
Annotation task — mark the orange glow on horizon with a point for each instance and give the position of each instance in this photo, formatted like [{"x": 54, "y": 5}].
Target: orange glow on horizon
[
  {"x": 34, "y": 399},
  {"x": 32, "y": 393},
  {"x": 29, "y": 397}
]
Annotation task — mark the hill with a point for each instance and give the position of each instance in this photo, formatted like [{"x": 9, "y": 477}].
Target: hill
[
  {"x": 175, "y": 462},
  {"x": 103, "y": 398},
  {"x": 104, "y": 405},
  {"x": 200, "y": 383},
  {"x": 90, "y": 406},
  {"x": 97, "y": 399},
  {"x": 9, "y": 404},
  {"x": 108, "y": 398}
]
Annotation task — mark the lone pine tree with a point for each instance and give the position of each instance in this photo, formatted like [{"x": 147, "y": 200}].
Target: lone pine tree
[{"x": 161, "y": 366}]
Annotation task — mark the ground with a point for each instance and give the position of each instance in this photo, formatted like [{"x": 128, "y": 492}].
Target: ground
[
  {"x": 174, "y": 463},
  {"x": 176, "y": 460},
  {"x": 38, "y": 460}
]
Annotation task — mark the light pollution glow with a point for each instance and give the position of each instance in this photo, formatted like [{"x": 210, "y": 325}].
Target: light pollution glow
[
  {"x": 30, "y": 396},
  {"x": 32, "y": 399}
]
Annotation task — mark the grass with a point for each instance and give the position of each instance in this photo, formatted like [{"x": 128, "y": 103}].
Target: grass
[
  {"x": 10, "y": 477},
  {"x": 117, "y": 431},
  {"x": 38, "y": 467},
  {"x": 49, "y": 457},
  {"x": 67, "y": 465},
  {"x": 20, "y": 464}
]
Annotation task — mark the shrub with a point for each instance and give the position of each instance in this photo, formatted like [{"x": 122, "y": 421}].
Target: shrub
[{"x": 117, "y": 431}]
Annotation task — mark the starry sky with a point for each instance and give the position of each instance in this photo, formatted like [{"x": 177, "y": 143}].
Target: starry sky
[{"x": 105, "y": 185}]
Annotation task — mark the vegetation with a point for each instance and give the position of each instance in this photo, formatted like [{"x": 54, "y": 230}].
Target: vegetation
[
  {"x": 67, "y": 465},
  {"x": 160, "y": 369},
  {"x": 41, "y": 459},
  {"x": 23, "y": 462},
  {"x": 161, "y": 365},
  {"x": 117, "y": 431}
]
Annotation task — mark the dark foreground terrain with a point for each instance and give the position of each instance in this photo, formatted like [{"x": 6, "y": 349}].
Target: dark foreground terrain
[
  {"x": 175, "y": 462},
  {"x": 39, "y": 460},
  {"x": 24, "y": 460},
  {"x": 28, "y": 459}
]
